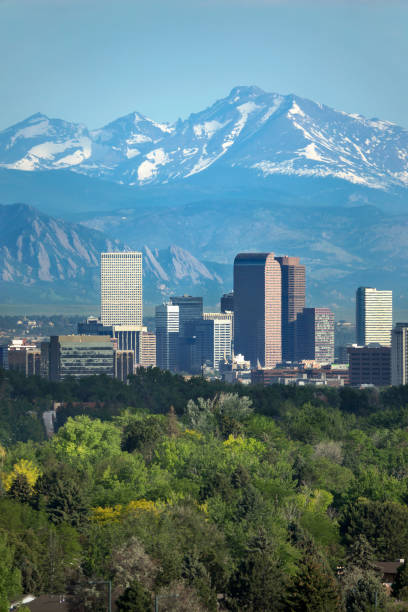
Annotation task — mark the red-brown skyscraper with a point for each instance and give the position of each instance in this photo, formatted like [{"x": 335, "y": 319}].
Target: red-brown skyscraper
[
  {"x": 257, "y": 308},
  {"x": 293, "y": 302}
]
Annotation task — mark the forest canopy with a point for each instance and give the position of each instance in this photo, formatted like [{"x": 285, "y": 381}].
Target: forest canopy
[{"x": 204, "y": 495}]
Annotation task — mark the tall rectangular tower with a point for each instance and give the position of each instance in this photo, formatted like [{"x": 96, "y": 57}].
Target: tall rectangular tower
[
  {"x": 167, "y": 334},
  {"x": 315, "y": 335},
  {"x": 373, "y": 316},
  {"x": 121, "y": 288},
  {"x": 257, "y": 308},
  {"x": 293, "y": 301},
  {"x": 399, "y": 354},
  {"x": 190, "y": 309}
]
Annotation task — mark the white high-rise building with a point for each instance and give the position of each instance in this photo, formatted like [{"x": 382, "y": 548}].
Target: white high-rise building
[
  {"x": 121, "y": 288},
  {"x": 373, "y": 316},
  {"x": 222, "y": 341},
  {"x": 399, "y": 354},
  {"x": 167, "y": 335}
]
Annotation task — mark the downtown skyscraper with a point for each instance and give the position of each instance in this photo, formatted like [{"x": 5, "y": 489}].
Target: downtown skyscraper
[
  {"x": 167, "y": 336},
  {"x": 258, "y": 308},
  {"x": 373, "y": 316},
  {"x": 121, "y": 288},
  {"x": 293, "y": 302}
]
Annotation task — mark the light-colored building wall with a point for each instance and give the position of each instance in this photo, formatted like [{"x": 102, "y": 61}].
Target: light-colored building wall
[
  {"x": 167, "y": 333},
  {"x": 222, "y": 341},
  {"x": 373, "y": 316},
  {"x": 147, "y": 355},
  {"x": 121, "y": 288}
]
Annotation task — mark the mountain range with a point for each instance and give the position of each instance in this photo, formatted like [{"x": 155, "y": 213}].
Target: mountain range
[
  {"x": 43, "y": 259},
  {"x": 255, "y": 171},
  {"x": 265, "y": 134}
]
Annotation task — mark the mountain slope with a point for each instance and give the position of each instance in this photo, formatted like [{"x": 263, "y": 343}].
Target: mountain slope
[
  {"x": 47, "y": 259},
  {"x": 250, "y": 131}
]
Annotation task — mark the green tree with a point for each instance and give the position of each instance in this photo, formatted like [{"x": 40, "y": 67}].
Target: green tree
[
  {"x": 400, "y": 586},
  {"x": 61, "y": 497},
  {"x": 134, "y": 599},
  {"x": 10, "y": 578},
  {"x": 384, "y": 525},
  {"x": 362, "y": 588},
  {"x": 20, "y": 489},
  {"x": 82, "y": 441},
  {"x": 258, "y": 582},
  {"x": 314, "y": 588},
  {"x": 143, "y": 434}
]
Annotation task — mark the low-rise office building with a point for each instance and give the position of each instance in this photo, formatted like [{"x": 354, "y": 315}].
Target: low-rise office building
[
  {"x": 24, "y": 357},
  {"x": 369, "y": 365},
  {"x": 80, "y": 355}
]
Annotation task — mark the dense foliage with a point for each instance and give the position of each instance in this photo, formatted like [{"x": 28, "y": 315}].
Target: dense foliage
[{"x": 204, "y": 495}]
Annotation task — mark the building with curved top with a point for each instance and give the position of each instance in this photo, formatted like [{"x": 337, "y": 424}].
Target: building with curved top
[{"x": 257, "y": 308}]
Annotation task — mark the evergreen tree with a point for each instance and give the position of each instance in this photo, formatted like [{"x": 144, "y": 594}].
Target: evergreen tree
[
  {"x": 20, "y": 489},
  {"x": 362, "y": 588},
  {"x": 314, "y": 588},
  {"x": 134, "y": 599},
  {"x": 361, "y": 555},
  {"x": 258, "y": 583},
  {"x": 400, "y": 586},
  {"x": 61, "y": 497}
]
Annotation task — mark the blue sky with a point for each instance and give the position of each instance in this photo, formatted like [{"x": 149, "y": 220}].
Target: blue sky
[{"x": 93, "y": 60}]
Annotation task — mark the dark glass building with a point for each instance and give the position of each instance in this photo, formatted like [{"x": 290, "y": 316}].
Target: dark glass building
[
  {"x": 227, "y": 302},
  {"x": 257, "y": 308},
  {"x": 190, "y": 309},
  {"x": 369, "y": 365},
  {"x": 293, "y": 302}
]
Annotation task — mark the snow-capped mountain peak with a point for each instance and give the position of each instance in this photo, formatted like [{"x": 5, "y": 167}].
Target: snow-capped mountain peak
[{"x": 263, "y": 134}]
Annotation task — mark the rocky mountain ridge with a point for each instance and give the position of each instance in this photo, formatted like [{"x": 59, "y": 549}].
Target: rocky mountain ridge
[
  {"x": 262, "y": 134},
  {"x": 52, "y": 259}
]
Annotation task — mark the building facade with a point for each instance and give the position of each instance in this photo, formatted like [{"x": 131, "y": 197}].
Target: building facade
[
  {"x": 24, "y": 357},
  {"x": 93, "y": 327},
  {"x": 79, "y": 356},
  {"x": 4, "y": 356},
  {"x": 124, "y": 364},
  {"x": 190, "y": 309},
  {"x": 121, "y": 288},
  {"x": 258, "y": 308},
  {"x": 315, "y": 335},
  {"x": 207, "y": 343},
  {"x": 227, "y": 315},
  {"x": 369, "y": 365},
  {"x": 147, "y": 354},
  {"x": 293, "y": 302},
  {"x": 167, "y": 334},
  {"x": 373, "y": 316},
  {"x": 399, "y": 354},
  {"x": 227, "y": 302}
]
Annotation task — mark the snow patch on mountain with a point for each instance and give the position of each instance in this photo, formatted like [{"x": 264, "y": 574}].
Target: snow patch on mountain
[
  {"x": 249, "y": 130},
  {"x": 148, "y": 168},
  {"x": 31, "y": 131},
  {"x": 207, "y": 129}
]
